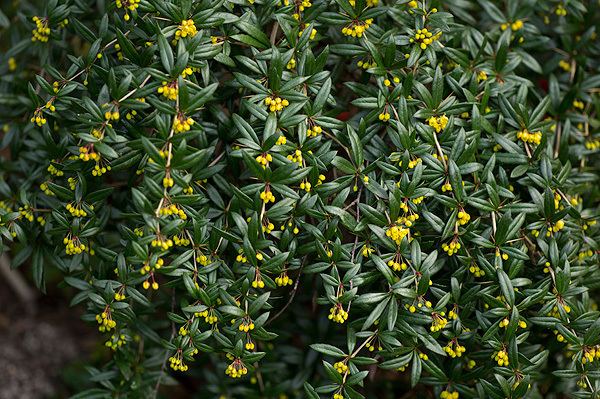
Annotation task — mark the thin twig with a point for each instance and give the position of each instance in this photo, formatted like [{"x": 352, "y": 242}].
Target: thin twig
[
  {"x": 292, "y": 295},
  {"x": 274, "y": 32}
]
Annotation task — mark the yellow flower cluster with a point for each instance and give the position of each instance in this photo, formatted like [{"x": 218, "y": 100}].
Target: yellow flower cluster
[
  {"x": 187, "y": 28},
  {"x": 105, "y": 320},
  {"x": 45, "y": 189},
  {"x": 114, "y": 115},
  {"x": 515, "y": 26},
  {"x": 209, "y": 316},
  {"x": 217, "y": 40},
  {"x": 99, "y": 134},
  {"x": 397, "y": 266},
  {"x": 557, "y": 199},
  {"x": 463, "y": 217},
  {"x": 168, "y": 182},
  {"x": 38, "y": 118},
  {"x": 181, "y": 241},
  {"x": 169, "y": 90},
  {"x": 25, "y": 211},
  {"x": 314, "y": 131},
  {"x": 268, "y": 227},
  {"x": 76, "y": 211},
  {"x": 366, "y": 64},
  {"x": 585, "y": 254},
  {"x": 370, "y": 3},
  {"x": 291, "y": 63},
  {"x": 99, "y": 170},
  {"x": 501, "y": 357},
  {"x": 241, "y": 257},
  {"x": 173, "y": 209},
  {"x": 397, "y": 233},
  {"x": 420, "y": 303},
  {"x": 246, "y": 325},
  {"x": 357, "y": 28},
  {"x": 283, "y": 279},
  {"x": 305, "y": 185},
  {"x": 590, "y": 354},
  {"x": 476, "y": 271},
  {"x": 449, "y": 395},
  {"x": 176, "y": 362},
  {"x": 341, "y": 367},
  {"x": 282, "y": 140},
  {"x": 454, "y": 349},
  {"x": 481, "y": 77},
  {"x": 41, "y": 33},
  {"x": 86, "y": 154},
  {"x": 418, "y": 200},
  {"x": 258, "y": 282},
  {"x": 366, "y": 251},
  {"x": 371, "y": 346},
  {"x": 388, "y": 83},
  {"x": 276, "y": 104},
  {"x": 413, "y": 163},
  {"x": 12, "y": 64},
  {"x": 73, "y": 246},
  {"x": 128, "y": 5},
  {"x": 189, "y": 71},
  {"x": 54, "y": 171},
  {"x": 264, "y": 159},
  {"x": 182, "y": 124},
  {"x": 561, "y": 11},
  {"x": 162, "y": 242},
  {"x": 558, "y": 226},
  {"x": 146, "y": 268},
  {"x": 526, "y": 137},
  {"x": 593, "y": 144},
  {"x": 120, "y": 296},
  {"x": 384, "y": 116},
  {"x": 236, "y": 369},
  {"x": 565, "y": 65},
  {"x": 267, "y": 196},
  {"x": 146, "y": 284},
  {"x": 522, "y": 324},
  {"x": 438, "y": 123},
  {"x": 503, "y": 255},
  {"x": 402, "y": 368},
  {"x": 50, "y": 106},
  {"x": 451, "y": 248},
  {"x": 313, "y": 33},
  {"x": 115, "y": 341},
  {"x": 338, "y": 314},
  {"x": 438, "y": 321},
  {"x": 425, "y": 38}
]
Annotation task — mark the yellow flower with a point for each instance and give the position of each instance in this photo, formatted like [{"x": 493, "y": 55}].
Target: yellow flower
[{"x": 187, "y": 28}]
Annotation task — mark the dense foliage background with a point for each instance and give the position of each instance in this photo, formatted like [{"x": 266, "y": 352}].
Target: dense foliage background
[{"x": 408, "y": 188}]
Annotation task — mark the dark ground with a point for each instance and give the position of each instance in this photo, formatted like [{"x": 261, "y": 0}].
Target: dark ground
[{"x": 41, "y": 351}]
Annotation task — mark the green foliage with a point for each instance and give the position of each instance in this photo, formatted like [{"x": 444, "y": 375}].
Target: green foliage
[{"x": 408, "y": 188}]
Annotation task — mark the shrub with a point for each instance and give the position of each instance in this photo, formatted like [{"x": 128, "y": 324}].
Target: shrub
[{"x": 408, "y": 188}]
